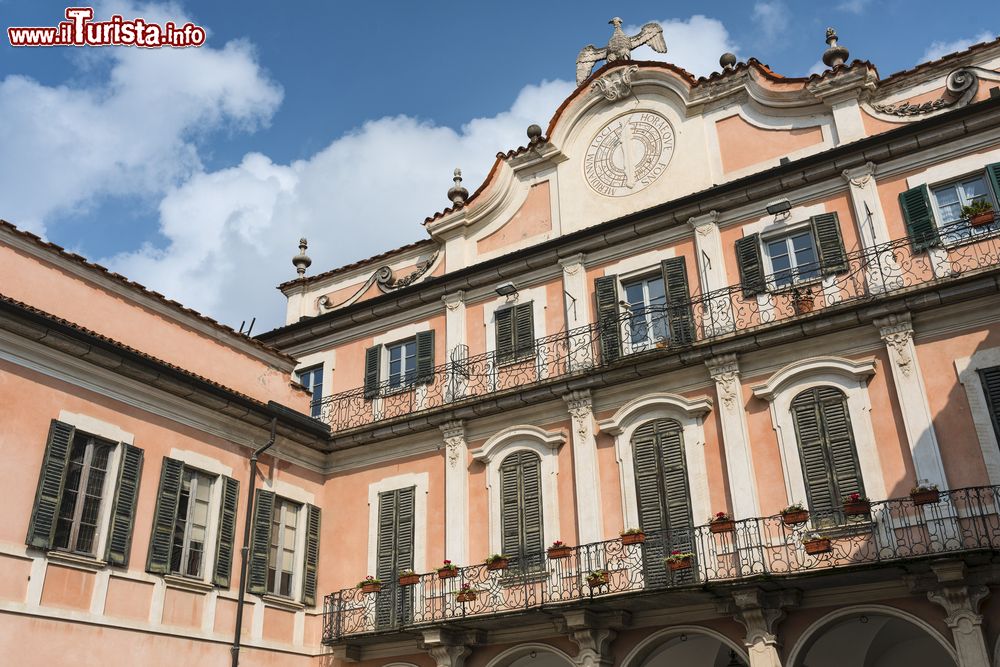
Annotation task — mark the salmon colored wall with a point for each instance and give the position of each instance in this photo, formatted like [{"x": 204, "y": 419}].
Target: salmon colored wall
[
  {"x": 182, "y": 608},
  {"x": 54, "y": 291},
  {"x": 742, "y": 144},
  {"x": 278, "y": 625},
  {"x": 533, "y": 218},
  {"x": 67, "y": 587},
  {"x": 475, "y": 326},
  {"x": 684, "y": 247},
  {"x": 14, "y": 582},
  {"x": 128, "y": 599},
  {"x": 874, "y": 125}
]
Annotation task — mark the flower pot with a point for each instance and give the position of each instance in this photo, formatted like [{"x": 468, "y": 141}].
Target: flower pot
[
  {"x": 925, "y": 497},
  {"x": 595, "y": 581},
  {"x": 726, "y": 526},
  {"x": 447, "y": 573},
  {"x": 857, "y": 507},
  {"x": 814, "y": 547},
  {"x": 371, "y": 588},
  {"x": 981, "y": 219},
  {"x": 555, "y": 553},
  {"x": 804, "y": 304},
  {"x": 467, "y": 596},
  {"x": 680, "y": 564},
  {"x": 633, "y": 538},
  {"x": 409, "y": 579},
  {"x": 792, "y": 518},
  {"x": 498, "y": 564}
]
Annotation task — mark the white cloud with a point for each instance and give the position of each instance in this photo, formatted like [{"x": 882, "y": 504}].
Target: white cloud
[
  {"x": 854, "y": 6},
  {"x": 938, "y": 49},
  {"x": 694, "y": 44},
  {"x": 818, "y": 68},
  {"x": 772, "y": 18}
]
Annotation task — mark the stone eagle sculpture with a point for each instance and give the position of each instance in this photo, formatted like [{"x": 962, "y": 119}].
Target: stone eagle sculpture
[{"x": 619, "y": 47}]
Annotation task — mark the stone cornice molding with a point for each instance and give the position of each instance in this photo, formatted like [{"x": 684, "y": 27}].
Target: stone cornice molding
[
  {"x": 855, "y": 370},
  {"x": 551, "y": 439},
  {"x": 636, "y": 408}
]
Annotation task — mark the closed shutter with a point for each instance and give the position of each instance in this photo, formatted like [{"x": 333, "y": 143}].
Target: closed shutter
[
  {"x": 524, "y": 331},
  {"x": 679, "y": 312},
  {"x": 51, "y": 480},
  {"x": 227, "y": 532},
  {"x": 991, "y": 386},
  {"x": 651, "y": 515},
  {"x": 311, "y": 559},
  {"x": 504, "y": 320},
  {"x": 920, "y": 225},
  {"x": 830, "y": 242},
  {"x": 373, "y": 361},
  {"x": 260, "y": 543},
  {"x": 123, "y": 510},
  {"x": 165, "y": 516},
  {"x": 751, "y": 267},
  {"x": 521, "y": 508},
  {"x": 606, "y": 293},
  {"x": 840, "y": 440},
  {"x": 425, "y": 357},
  {"x": 993, "y": 173},
  {"x": 394, "y": 554}
]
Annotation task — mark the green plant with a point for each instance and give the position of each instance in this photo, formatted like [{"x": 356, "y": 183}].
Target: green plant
[
  {"x": 720, "y": 517},
  {"x": 495, "y": 557},
  {"x": 557, "y": 544},
  {"x": 448, "y": 565},
  {"x": 677, "y": 556},
  {"x": 812, "y": 537},
  {"x": 977, "y": 207},
  {"x": 369, "y": 581},
  {"x": 467, "y": 588},
  {"x": 597, "y": 577},
  {"x": 794, "y": 507},
  {"x": 406, "y": 573},
  {"x": 855, "y": 498},
  {"x": 924, "y": 486},
  {"x": 633, "y": 531}
]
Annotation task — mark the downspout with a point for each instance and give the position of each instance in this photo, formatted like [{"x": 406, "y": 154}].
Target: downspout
[{"x": 245, "y": 551}]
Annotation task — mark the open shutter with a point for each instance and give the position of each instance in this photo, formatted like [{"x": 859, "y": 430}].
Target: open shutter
[
  {"x": 751, "y": 267},
  {"x": 311, "y": 559},
  {"x": 504, "y": 319},
  {"x": 373, "y": 361},
  {"x": 165, "y": 516},
  {"x": 260, "y": 544},
  {"x": 920, "y": 225},
  {"x": 826, "y": 231},
  {"x": 840, "y": 442},
  {"x": 606, "y": 293},
  {"x": 425, "y": 357},
  {"x": 990, "y": 378},
  {"x": 651, "y": 514},
  {"x": 815, "y": 467},
  {"x": 993, "y": 173},
  {"x": 123, "y": 510},
  {"x": 532, "y": 542},
  {"x": 227, "y": 532},
  {"x": 679, "y": 312},
  {"x": 51, "y": 480},
  {"x": 524, "y": 331}
]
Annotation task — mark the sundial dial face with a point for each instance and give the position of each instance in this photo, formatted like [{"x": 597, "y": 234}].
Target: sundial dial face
[{"x": 628, "y": 154}]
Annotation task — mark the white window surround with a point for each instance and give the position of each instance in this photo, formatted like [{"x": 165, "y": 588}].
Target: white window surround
[
  {"x": 327, "y": 359},
  {"x": 637, "y": 265},
  {"x": 419, "y": 480},
  {"x": 968, "y": 374},
  {"x": 522, "y": 438},
  {"x": 535, "y": 295},
  {"x": 955, "y": 169},
  {"x": 691, "y": 415},
  {"x": 850, "y": 377},
  {"x": 397, "y": 335},
  {"x": 211, "y": 466},
  {"x": 298, "y": 495}
]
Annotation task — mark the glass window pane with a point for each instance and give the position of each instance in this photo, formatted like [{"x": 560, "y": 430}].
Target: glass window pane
[
  {"x": 633, "y": 294},
  {"x": 656, "y": 292}
]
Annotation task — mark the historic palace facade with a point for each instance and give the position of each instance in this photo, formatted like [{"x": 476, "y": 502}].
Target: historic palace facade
[{"x": 707, "y": 373}]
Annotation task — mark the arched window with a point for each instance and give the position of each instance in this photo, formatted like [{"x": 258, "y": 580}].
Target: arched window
[
  {"x": 661, "y": 484},
  {"x": 826, "y": 447},
  {"x": 521, "y": 508}
]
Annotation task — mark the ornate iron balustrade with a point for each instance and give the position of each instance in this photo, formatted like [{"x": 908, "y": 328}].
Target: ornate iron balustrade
[
  {"x": 894, "y": 530},
  {"x": 863, "y": 275}
]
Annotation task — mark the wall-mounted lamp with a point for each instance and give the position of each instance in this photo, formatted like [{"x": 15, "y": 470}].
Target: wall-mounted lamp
[
  {"x": 506, "y": 289},
  {"x": 780, "y": 206}
]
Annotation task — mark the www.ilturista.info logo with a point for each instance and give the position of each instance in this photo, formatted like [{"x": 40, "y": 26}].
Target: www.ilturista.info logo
[{"x": 81, "y": 30}]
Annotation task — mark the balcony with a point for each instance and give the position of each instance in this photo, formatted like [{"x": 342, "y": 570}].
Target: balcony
[
  {"x": 864, "y": 276},
  {"x": 897, "y": 531}
]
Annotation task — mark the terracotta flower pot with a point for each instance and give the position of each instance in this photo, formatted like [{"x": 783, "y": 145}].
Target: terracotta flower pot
[
  {"x": 555, "y": 553},
  {"x": 814, "y": 547},
  {"x": 792, "y": 518},
  {"x": 633, "y": 538},
  {"x": 409, "y": 579},
  {"x": 725, "y": 526},
  {"x": 681, "y": 564},
  {"x": 804, "y": 304},
  {"x": 371, "y": 588},
  {"x": 498, "y": 564},
  {"x": 595, "y": 581},
  {"x": 981, "y": 219},
  {"x": 447, "y": 573},
  {"x": 925, "y": 497},
  {"x": 857, "y": 507},
  {"x": 467, "y": 596}
]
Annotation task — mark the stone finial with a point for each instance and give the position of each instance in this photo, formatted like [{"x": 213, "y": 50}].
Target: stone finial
[
  {"x": 534, "y": 134},
  {"x": 302, "y": 261},
  {"x": 728, "y": 61},
  {"x": 457, "y": 194},
  {"x": 835, "y": 54}
]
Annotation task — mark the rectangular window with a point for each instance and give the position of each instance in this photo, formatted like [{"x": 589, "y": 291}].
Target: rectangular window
[
  {"x": 312, "y": 379},
  {"x": 951, "y": 197},
  {"x": 990, "y": 378},
  {"x": 793, "y": 259},
  {"x": 281, "y": 557},
  {"x": 76, "y": 527},
  {"x": 647, "y": 301},
  {"x": 402, "y": 363},
  {"x": 191, "y": 526},
  {"x": 515, "y": 333}
]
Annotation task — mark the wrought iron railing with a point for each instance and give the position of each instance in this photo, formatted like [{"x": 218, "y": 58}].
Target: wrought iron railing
[
  {"x": 890, "y": 531},
  {"x": 862, "y": 275}
]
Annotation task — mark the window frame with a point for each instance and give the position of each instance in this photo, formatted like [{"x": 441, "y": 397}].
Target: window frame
[
  {"x": 98, "y": 543},
  {"x": 315, "y": 403},
  {"x": 629, "y": 344},
  {"x": 294, "y": 583},
  {"x": 386, "y": 363},
  {"x": 529, "y": 352},
  {"x": 210, "y": 545},
  {"x": 786, "y": 234},
  {"x": 962, "y": 233}
]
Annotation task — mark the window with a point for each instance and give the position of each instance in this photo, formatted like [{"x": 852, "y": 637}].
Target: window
[
  {"x": 281, "y": 557},
  {"x": 990, "y": 378},
  {"x": 394, "y": 550},
  {"x": 82, "y": 494},
  {"x": 647, "y": 303},
  {"x": 284, "y": 551},
  {"x": 793, "y": 259},
  {"x": 950, "y": 198},
  {"x": 399, "y": 365},
  {"x": 521, "y": 508},
  {"x": 809, "y": 251},
  {"x": 926, "y": 209},
  {"x": 191, "y": 526},
  {"x": 312, "y": 379},
  {"x": 515, "y": 333},
  {"x": 402, "y": 363}
]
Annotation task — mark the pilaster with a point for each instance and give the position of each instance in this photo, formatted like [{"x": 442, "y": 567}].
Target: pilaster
[
  {"x": 593, "y": 634},
  {"x": 882, "y": 270},
  {"x": 455, "y": 345},
  {"x": 586, "y": 473},
  {"x": 712, "y": 272},
  {"x": 577, "y": 310},
  {"x": 960, "y": 595},
  {"x": 449, "y": 648},
  {"x": 759, "y": 613},
  {"x": 725, "y": 370},
  {"x": 456, "y": 486}
]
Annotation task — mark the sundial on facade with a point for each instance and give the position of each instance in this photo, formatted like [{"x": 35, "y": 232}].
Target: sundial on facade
[{"x": 629, "y": 153}]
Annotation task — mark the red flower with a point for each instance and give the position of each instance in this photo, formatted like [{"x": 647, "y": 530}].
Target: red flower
[
  {"x": 447, "y": 562},
  {"x": 719, "y": 515},
  {"x": 675, "y": 552},
  {"x": 855, "y": 497}
]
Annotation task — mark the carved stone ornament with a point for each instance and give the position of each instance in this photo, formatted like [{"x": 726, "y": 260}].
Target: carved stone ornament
[
  {"x": 619, "y": 47},
  {"x": 454, "y": 441},
  {"x": 580, "y": 407},
  {"x": 860, "y": 176},
  {"x": 897, "y": 339},
  {"x": 617, "y": 84},
  {"x": 386, "y": 281},
  {"x": 961, "y": 84},
  {"x": 628, "y": 153},
  {"x": 726, "y": 372}
]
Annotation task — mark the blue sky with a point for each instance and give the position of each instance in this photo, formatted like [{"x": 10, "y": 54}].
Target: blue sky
[{"x": 195, "y": 172}]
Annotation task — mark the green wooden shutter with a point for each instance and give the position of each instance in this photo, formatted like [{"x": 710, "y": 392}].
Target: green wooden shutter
[
  {"x": 504, "y": 321},
  {"x": 373, "y": 362},
  {"x": 227, "y": 532},
  {"x": 609, "y": 327},
  {"x": 993, "y": 173},
  {"x": 840, "y": 442},
  {"x": 815, "y": 467},
  {"x": 990, "y": 378},
  {"x": 676, "y": 494},
  {"x": 679, "y": 312},
  {"x": 394, "y": 553},
  {"x": 510, "y": 501},
  {"x": 165, "y": 516},
  {"x": 311, "y": 556},
  {"x": 425, "y": 357},
  {"x": 260, "y": 544},
  {"x": 532, "y": 531},
  {"x": 51, "y": 480},
  {"x": 652, "y": 519},
  {"x": 830, "y": 243},
  {"x": 750, "y": 264},
  {"x": 123, "y": 511},
  {"x": 919, "y": 216},
  {"x": 524, "y": 331}
]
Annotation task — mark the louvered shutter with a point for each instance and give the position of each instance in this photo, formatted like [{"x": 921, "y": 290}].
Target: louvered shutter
[
  {"x": 651, "y": 514},
  {"x": 830, "y": 242},
  {"x": 532, "y": 542},
  {"x": 680, "y": 314},
  {"x": 990, "y": 378},
  {"x": 606, "y": 293},
  {"x": 51, "y": 480},
  {"x": 425, "y": 357},
  {"x": 524, "y": 331},
  {"x": 919, "y": 216},
  {"x": 227, "y": 532},
  {"x": 510, "y": 510},
  {"x": 676, "y": 495},
  {"x": 123, "y": 510},
  {"x": 263, "y": 514},
  {"x": 165, "y": 516},
  {"x": 394, "y": 554},
  {"x": 840, "y": 442},
  {"x": 311, "y": 556},
  {"x": 373, "y": 361},
  {"x": 815, "y": 467},
  {"x": 504, "y": 320},
  {"x": 405, "y": 537},
  {"x": 750, "y": 264},
  {"x": 993, "y": 174}
]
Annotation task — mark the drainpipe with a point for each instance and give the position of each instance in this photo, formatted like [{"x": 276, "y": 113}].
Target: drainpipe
[{"x": 245, "y": 551}]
